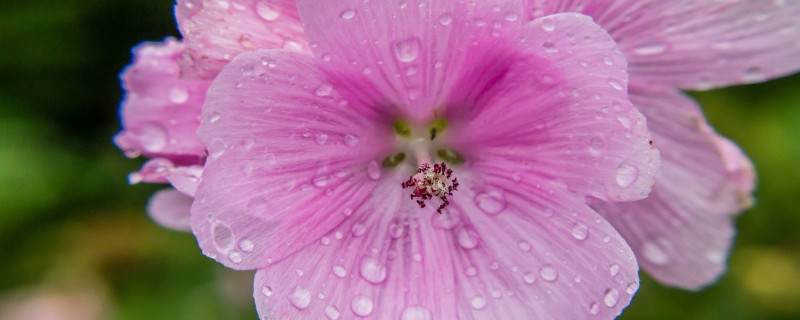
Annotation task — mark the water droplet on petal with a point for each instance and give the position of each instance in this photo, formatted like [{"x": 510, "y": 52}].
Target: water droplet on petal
[
  {"x": 626, "y": 175},
  {"x": 616, "y": 84},
  {"x": 529, "y": 278},
  {"x": 374, "y": 170},
  {"x": 348, "y": 14},
  {"x": 407, "y": 50},
  {"x": 216, "y": 148},
  {"x": 753, "y": 74},
  {"x": 395, "y": 230},
  {"x": 324, "y": 89},
  {"x": 632, "y": 287},
  {"x": 266, "y": 12},
  {"x": 624, "y": 121},
  {"x": 445, "y": 19},
  {"x": 594, "y": 308},
  {"x": 478, "y": 302},
  {"x": 656, "y": 251},
  {"x": 300, "y": 298},
  {"x": 611, "y": 298},
  {"x": 246, "y": 245},
  {"x": 524, "y": 246},
  {"x": 548, "y": 24},
  {"x": 650, "y": 49},
  {"x": 471, "y": 271},
  {"x": 339, "y": 271},
  {"x": 548, "y": 273},
  {"x": 359, "y": 229},
  {"x": 178, "y": 95},
  {"x": 613, "y": 270},
  {"x": 549, "y": 47},
  {"x": 467, "y": 239},
  {"x": 372, "y": 270},
  {"x": 235, "y": 256},
  {"x": 511, "y": 16},
  {"x": 153, "y": 137},
  {"x": 490, "y": 203},
  {"x": 331, "y": 312},
  {"x": 416, "y": 313},
  {"x": 321, "y": 138},
  {"x": 361, "y": 305},
  {"x": 222, "y": 236},
  {"x": 580, "y": 231},
  {"x": 320, "y": 181},
  {"x": 350, "y": 140}
]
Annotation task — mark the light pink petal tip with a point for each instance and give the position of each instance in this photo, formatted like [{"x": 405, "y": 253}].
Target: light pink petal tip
[
  {"x": 561, "y": 113},
  {"x": 697, "y": 44},
  {"x": 409, "y": 263},
  {"x": 682, "y": 233},
  {"x": 288, "y": 159},
  {"x": 170, "y": 209},
  {"x": 410, "y": 67},
  {"x": 216, "y": 31},
  {"x": 160, "y": 112}
]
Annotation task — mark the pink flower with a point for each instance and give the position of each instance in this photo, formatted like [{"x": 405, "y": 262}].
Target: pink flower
[
  {"x": 165, "y": 89},
  {"x": 682, "y": 233},
  {"x": 308, "y": 157}
]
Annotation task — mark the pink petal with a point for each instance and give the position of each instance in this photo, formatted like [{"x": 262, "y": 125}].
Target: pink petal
[
  {"x": 216, "y": 31},
  {"x": 186, "y": 179},
  {"x": 697, "y": 44},
  {"x": 561, "y": 113},
  {"x": 410, "y": 63},
  {"x": 287, "y": 158},
  {"x": 170, "y": 209},
  {"x": 160, "y": 112},
  {"x": 682, "y": 233}
]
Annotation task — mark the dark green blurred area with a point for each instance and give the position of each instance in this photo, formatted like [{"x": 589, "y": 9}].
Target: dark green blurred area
[{"x": 72, "y": 229}]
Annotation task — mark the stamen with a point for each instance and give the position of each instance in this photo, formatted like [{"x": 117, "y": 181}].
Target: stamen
[
  {"x": 436, "y": 127},
  {"x": 401, "y": 128},
  {"x": 450, "y": 156},
  {"x": 432, "y": 181},
  {"x": 393, "y": 160}
]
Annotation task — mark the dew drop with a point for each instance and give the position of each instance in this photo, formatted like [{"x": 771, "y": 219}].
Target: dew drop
[
  {"x": 178, "y": 95},
  {"x": 626, "y": 175},
  {"x": 246, "y": 245},
  {"x": 445, "y": 19},
  {"x": 407, "y": 50},
  {"x": 416, "y": 313},
  {"x": 471, "y": 271},
  {"x": 529, "y": 278},
  {"x": 292, "y": 45},
  {"x": 478, "y": 302},
  {"x": 321, "y": 138},
  {"x": 339, "y": 271},
  {"x": 350, "y": 140},
  {"x": 490, "y": 203},
  {"x": 548, "y": 273},
  {"x": 616, "y": 84},
  {"x": 222, "y": 236},
  {"x": 235, "y": 256},
  {"x": 632, "y": 287},
  {"x": 511, "y": 16},
  {"x": 216, "y": 148},
  {"x": 613, "y": 270},
  {"x": 361, "y": 305},
  {"x": 153, "y": 137},
  {"x": 372, "y": 270},
  {"x": 594, "y": 308},
  {"x": 548, "y": 24},
  {"x": 611, "y": 298},
  {"x": 323, "y": 90},
  {"x": 266, "y": 12},
  {"x": 331, "y": 312},
  {"x": 320, "y": 181},
  {"x": 348, "y": 14},
  {"x": 449, "y": 219},
  {"x": 580, "y": 231},
  {"x": 467, "y": 239},
  {"x": 549, "y": 47},
  {"x": 347, "y": 212},
  {"x": 266, "y": 291},
  {"x": 300, "y": 298},
  {"x": 656, "y": 251},
  {"x": 325, "y": 241},
  {"x": 374, "y": 170},
  {"x": 753, "y": 74},
  {"x": 359, "y": 229},
  {"x": 650, "y": 49},
  {"x": 624, "y": 121},
  {"x": 524, "y": 246}
]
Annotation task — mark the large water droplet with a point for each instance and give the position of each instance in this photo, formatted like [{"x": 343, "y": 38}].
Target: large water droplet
[
  {"x": 580, "y": 231},
  {"x": 613, "y": 270},
  {"x": 178, "y": 95},
  {"x": 529, "y": 278},
  {"x": 611, "y": 298},
  {"x": 153, "y": 137},
  {"x": 323, "y": 90},
  {"x": 300, "y": 298},
  {"x": 478, "y": 302},
  {"x": 331, "y": 312},
  {"x": 235, "y": 256},
  {"x": 467, "y": 239},
  {"x": 416, "y": 313},
  {"x": 650, "y": 49},
  {"x": 445, "y": 19},
  {"x": 222, "y": 236},
  {"x": 266, "y": 291},
  {"x": 490, "y": 203},
  {"x": 374, "y": 170},
  {"x": 348, "y": 14},
  {"x": 548, "y": 24},
  {"x": 407, "y": 50},
  {"x": 216, "y": 148},
  {"x": 548, "y": 273},
  {"x": 361, "y": 305},
  {"x": 246, "y": 245},
  {"x": 372, "y": 270},
  {"x": 266, "y": 12},
  {"x": 656, "y": 251},
  {"x": 626, "y": 175},
  {"x": 594, "y": 308}
]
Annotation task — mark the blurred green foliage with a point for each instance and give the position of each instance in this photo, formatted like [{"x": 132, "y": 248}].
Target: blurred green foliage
[{"x": 70, "y": 222}]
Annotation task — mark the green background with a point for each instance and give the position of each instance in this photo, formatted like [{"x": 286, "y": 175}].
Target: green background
[{"x": 73, "y": 231}]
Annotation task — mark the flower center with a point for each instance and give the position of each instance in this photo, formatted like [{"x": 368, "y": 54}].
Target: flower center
[{"x": 433, "y": 181}]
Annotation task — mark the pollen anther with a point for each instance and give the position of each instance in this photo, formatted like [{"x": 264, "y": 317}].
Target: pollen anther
[{"x": 432, "y": 182}]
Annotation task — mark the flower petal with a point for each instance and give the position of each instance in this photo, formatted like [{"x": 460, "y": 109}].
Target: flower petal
[
  {"x": 682, "y": 233},
  {"x": 385, "y": 262},
  {"x": 285, "y": 151},
  {"x": 170, "y": 209},
  {"x": 697, "y": 44},
  {"x": 414, "y": 57},
  {"x": 216, "y": 31},
  {"x": 561, "y": 113},
  {"x": 160, "y": 112}
]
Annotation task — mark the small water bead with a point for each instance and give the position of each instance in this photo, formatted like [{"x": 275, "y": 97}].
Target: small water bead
[
  {"x": 331, "y": 312},
  {"x": 339, "y": 271},
  {"x": 395, "y": 230},
  {"x": 417, "y": 257},
  {"x": 266, "y": 12},
  {"x": 448, "y": 219},
  {"x": 511, "y": 16},
  {"x": 471, "y": 271},
  {"x": 753, "y": 74},
  {"x": 216, "y": 148},
  {"x": 650, "y": 49},
  {"x": 467, "y": 239},
  {"x": 178, "y": 95},
  {"x": 548, "y": 273},
  {"x": 529, "y": 278},
  {"x": 359, "y": 229},
  {"x": 407, "y": 50},
  {"x": 325, "y": 241},
  {"x": 350, "y": 140},
  {"x": 323, "y": 90},
  {"x": 416, "y": 313},
  {"x": 372, "y": 270},
  {"x": 594, "y": 308},
  {"x": 478, "y": 302},
  {"x": 616, "y": 84},
  {"x": 347, "y": 212},
  {"x": 321, "y": 138},
  {"x": 266, "y": 291},
  {"x": 611, "y": 297},
  {"x": 626, "y": 175},
  {"x": 361, "y": 305},
  {"x": 320, "y": 181},
  {"x": 549, "y": 47},
  {"x": 624, "y": 121},
  {"x": 235, "y": 256},
  {"x": 246, "y": 245},
  {"x": 580, "y": 231},
  {"x": 548, "y": 24},
  {"x": 153, "y": 137},
  {"x": 656, "y": 251},
  {"x": 348, "y": 14},
  {"x": 632, "y": 287},
  {"x": 292, "y": 45},
  {"x": 490, "y": 203},
  {"x": 374, "y": 170},
  {"x": 494, "y": 265},
  {"x": 613, "y": 270},
  {"x": 524, "y": 246},
  {"x": 300, "y": 297}
]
